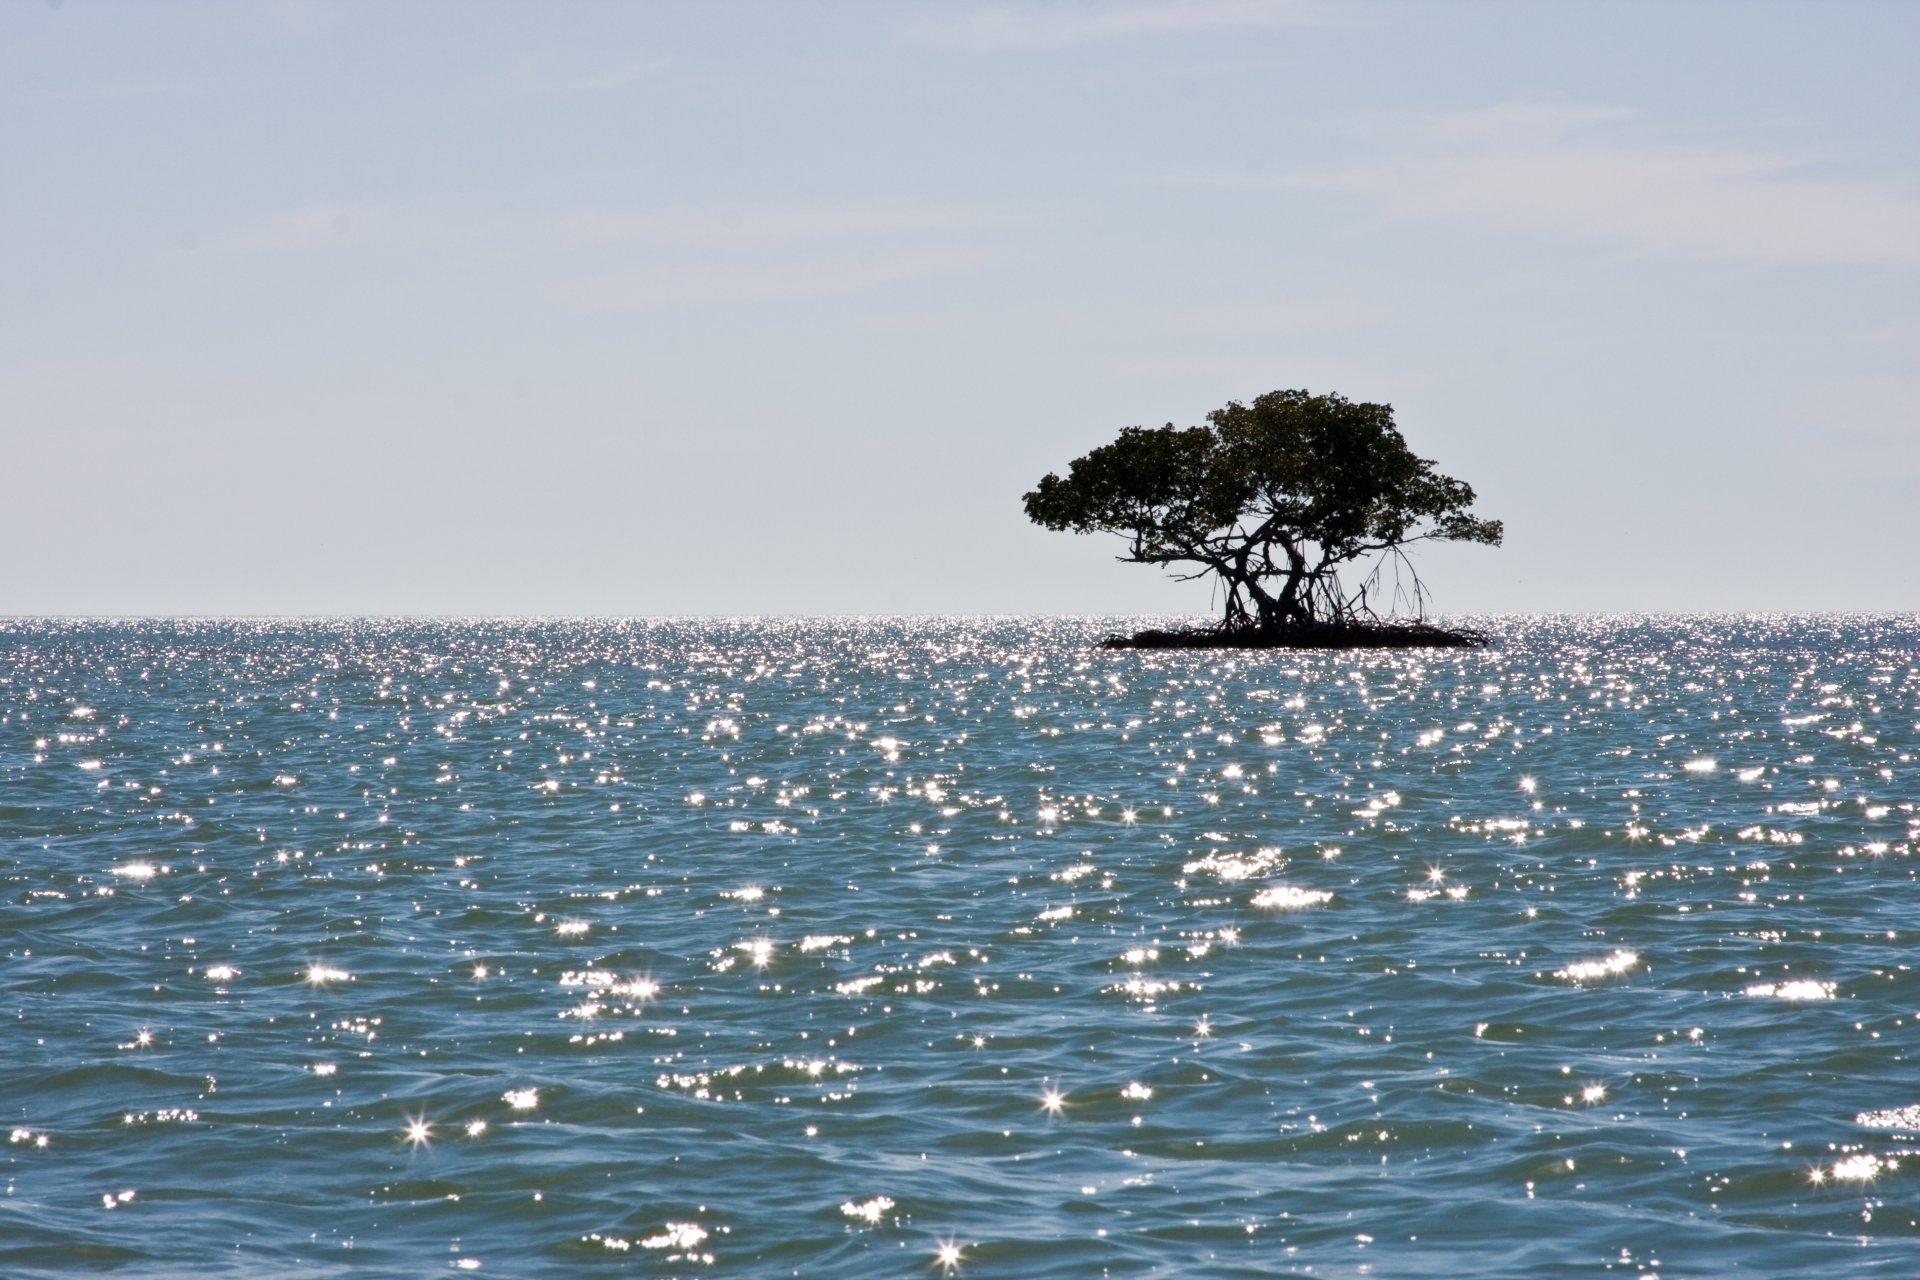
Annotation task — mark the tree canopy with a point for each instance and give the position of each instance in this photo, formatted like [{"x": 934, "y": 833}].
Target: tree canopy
[{"x": 1275, "y": 497}]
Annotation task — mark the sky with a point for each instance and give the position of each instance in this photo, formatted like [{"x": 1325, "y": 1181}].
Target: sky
[{"x": 728, "y": 308}]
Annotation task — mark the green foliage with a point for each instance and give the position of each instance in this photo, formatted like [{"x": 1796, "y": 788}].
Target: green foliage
[{"x": 1275, "y": 497}]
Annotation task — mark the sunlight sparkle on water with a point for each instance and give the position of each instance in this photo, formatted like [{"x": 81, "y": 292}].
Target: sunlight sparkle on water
[
  {"x": 1797, "y": 989},
  {"x": 1286, "y": 897},
  {"x": 1907, "y": 1118},
  {"x": 1859, "y": 1167},
  {"x": 680, "y": 1236},
  {"x": 868, "y": 1211},
  {"x": 1610, "y": 966},
  {"x": 717, "y": 962}
]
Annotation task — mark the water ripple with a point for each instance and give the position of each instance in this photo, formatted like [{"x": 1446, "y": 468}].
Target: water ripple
[{"x": 881, "y": 947}]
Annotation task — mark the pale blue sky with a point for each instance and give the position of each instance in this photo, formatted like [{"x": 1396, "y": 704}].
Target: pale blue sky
[{"x": 319, "y": 307}]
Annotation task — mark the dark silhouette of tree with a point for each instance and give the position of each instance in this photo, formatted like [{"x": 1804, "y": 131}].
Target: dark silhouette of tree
[{"x": 1275, "y": 498}]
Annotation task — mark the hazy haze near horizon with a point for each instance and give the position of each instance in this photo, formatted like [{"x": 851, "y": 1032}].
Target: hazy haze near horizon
[{"x": 756, "y": 309}]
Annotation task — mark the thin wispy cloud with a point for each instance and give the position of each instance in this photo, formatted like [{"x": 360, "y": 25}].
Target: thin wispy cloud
[
  {"x": 721, "y": 226},
  {"x": 1583, "y": 173},
  {"x": 298, "y": 19},
  {"x": 767, "y": 282},
  {"x": 314, "y": 226},
  {"x": 692, "y": 255},
  {"x": 752, "y": 237},
  {"x": 580, "y": 74},
  {"x": 1272, "y": 319},
  {"x": 82, "y": 92},
  {"x": 1008, "y": 26}
]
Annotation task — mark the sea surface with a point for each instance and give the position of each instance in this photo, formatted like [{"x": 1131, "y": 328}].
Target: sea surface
[{"x": 911, "y": 947}]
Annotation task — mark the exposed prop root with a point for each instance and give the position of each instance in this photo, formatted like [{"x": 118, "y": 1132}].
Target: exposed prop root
[{"x": 1315, "y": 635}]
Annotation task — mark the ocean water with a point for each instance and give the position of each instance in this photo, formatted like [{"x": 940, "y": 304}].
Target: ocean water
[{"x": 923, "y": 947}]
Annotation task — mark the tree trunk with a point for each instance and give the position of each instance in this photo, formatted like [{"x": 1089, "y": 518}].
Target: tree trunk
[{"x": 1295, "y": 604}]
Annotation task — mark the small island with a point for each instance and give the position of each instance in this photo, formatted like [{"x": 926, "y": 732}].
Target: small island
[{"x": 1275, "y": 498}]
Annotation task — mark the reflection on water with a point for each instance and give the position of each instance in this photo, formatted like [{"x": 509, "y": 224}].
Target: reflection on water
[{"x": 876, "y": 947}]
